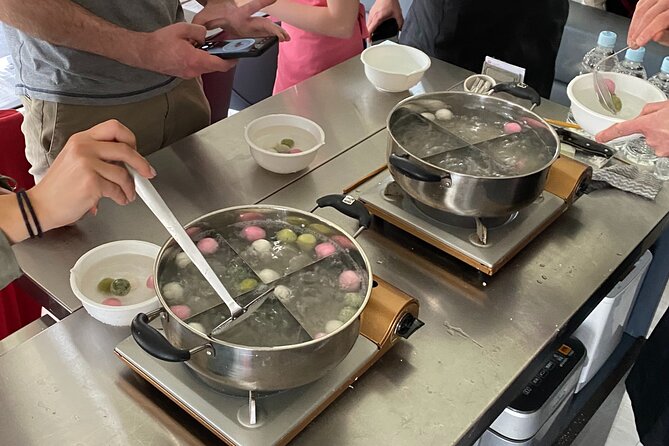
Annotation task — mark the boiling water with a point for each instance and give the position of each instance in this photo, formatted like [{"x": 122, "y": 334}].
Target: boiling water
[
  {"x": 269, "y": 137},
  {"x": 631, "y": 105},
  {"x": 134, "y": 268},
  {"x": 308, "y": 286}
]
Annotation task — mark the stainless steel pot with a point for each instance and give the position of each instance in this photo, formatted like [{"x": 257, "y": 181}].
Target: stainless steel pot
[
  {"x": 460, "y": 193},
  {"x": 234, "y": 368}
]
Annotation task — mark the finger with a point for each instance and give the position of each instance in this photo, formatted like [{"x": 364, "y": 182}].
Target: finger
[
  {"x": 639, "y": 15},
  {"x": 120, "y": 152},
  {"x": 653, "y": 26},
  {"x": 112, "y": 191},
  {"x": 653, "y": 107},
  {"x": 373, "y": 22},
  {"x": 192, "y": 31},
  {"x": 399, "y": 18},
  {"x": 112, "y": 130},
  {"x": 621, "y": 129},
  {"x": 117, "y": 175},
  {"x": 250, "y": 8},
  {"x": 208, "y": 63}
]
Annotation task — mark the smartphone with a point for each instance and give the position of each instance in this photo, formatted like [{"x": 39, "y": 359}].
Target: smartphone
[
  {"x": 239, "y": 48},
  {"x": 386, "y": 30}
]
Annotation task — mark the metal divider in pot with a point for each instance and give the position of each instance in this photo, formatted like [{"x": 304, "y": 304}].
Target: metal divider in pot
[
  {"x": 470, "y": 154},
  {"x": 229, "y": 363}
]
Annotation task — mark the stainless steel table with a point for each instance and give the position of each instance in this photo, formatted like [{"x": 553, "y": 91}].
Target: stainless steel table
[{"x": 438, "y": 388}]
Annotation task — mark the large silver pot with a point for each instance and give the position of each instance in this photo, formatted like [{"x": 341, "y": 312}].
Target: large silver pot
[
  {"x": 234, "y": 368},
  {"x": 460, "y": 193}
]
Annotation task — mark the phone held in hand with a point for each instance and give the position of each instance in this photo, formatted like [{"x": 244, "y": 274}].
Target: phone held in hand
[
  {"x": 386, "y": 30},
  {"x": 239, "y": 48}
]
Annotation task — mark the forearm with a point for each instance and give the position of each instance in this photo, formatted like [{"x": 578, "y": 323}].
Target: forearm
[
  {"x": 65, "y": 23},
  {"x": 338, "y": 19},
  {"x": 11, "y": 221}
]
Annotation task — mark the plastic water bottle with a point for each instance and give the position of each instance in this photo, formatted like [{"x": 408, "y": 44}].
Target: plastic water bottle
[
  {"x": 661, "y": 79},
  {"x": 633, "y": 63},
  {"x": 605, "y": 44}
]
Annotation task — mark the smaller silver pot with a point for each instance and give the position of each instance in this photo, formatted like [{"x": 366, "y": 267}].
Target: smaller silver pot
[{"x": 463, "y": 194}]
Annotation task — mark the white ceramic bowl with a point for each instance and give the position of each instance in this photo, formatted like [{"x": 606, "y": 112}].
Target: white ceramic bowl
[
  {"x": 394, "y": 68},
  {"x": 121, "y": 315},
  {"x": 283, "y": 162},
  {"x": 590, "y": 115}
]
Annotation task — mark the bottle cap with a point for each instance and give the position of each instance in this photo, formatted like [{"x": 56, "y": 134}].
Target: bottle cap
[
  {"x": 665, "y": 65},
  {"x": 607, "y": 39},
  {"x": 635, "y": 55}
]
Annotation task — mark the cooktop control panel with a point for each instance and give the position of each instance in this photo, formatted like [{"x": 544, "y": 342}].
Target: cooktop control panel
[{"x": 550, "y": 377}]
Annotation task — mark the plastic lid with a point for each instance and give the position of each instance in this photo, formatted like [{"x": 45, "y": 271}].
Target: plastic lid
[
  {"x": 665, "y": 65},
  {"x": 607, "y": 39},
  {"x": 635, "y": 55}
]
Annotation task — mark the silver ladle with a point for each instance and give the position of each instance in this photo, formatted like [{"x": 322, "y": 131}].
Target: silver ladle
[{"x": 603, "y": 94}]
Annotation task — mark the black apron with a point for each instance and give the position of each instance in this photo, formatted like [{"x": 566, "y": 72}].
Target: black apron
[{"x": 526, "y": 33}]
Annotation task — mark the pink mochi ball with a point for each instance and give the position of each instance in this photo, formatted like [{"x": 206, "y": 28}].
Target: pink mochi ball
[
  {"x": 319, "y": 335},
  {"x": 534, "y": 123},
  {"x": 250, "y": 216},
  {"x": 193, "y": 230},
  {"x": 112, "y": 302},
  {"x": 324, "y": 249},
  {"x": 610, "y": 85},
  {"x": 253, "y": 233},
  {"x": 342, "y": 241},
  {"x": 150, "y": 283},
  {"x": 512, "y": 127},
  {"x": 207, "y": 245},
  {"x": 294, "y": 151},
  {"x": 349, "y": 280},
  {"x": 181, "y": 311}
]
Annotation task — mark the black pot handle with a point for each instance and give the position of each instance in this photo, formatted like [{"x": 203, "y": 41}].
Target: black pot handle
[
  {"x": 519, "y": 90},
  {"x": 347, "y": 205},
  {"x": 409, "y": 169},
  {"x": 154, "y": 343}
]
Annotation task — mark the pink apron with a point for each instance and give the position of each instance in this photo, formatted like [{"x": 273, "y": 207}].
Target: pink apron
[{"x": 307, "y": 54}]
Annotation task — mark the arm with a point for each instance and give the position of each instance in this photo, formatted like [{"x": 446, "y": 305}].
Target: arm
[
  {"x": 337, "y": 19},
  {"x": 167, "y": 50},
  {"x": 383, "y": 10},
  {"x": 82, "y": 174},
  {"x": 653, "y": 123}
]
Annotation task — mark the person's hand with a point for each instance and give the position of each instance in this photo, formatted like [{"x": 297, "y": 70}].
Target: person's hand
[
  {"x": 383, "y": 10},
  {"x": 88, "y": 169},
  {"x": 171, "y": 50},
  {"x": 650, "y": 22},
  {"x": 236, "y": 21},
  {"x": 653, "y": 123}
]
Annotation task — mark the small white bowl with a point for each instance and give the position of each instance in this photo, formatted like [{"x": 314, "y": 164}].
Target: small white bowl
[
  {"x": 121, "y": 315},
  {"x": 394, "y": 68},
  {"x": 588, "y": 112},
  {"x": 283, "y": 162}
]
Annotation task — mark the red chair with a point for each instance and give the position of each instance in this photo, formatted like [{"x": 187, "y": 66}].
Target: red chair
[{"x": 17, "y": 308}]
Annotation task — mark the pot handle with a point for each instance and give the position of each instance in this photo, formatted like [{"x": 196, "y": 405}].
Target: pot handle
[
  {"x": 519, "y": 90},
  {"x": 155, "y": 343},
  {"x": 347, "y": 205},
  {"x": 412, "y": 170}
]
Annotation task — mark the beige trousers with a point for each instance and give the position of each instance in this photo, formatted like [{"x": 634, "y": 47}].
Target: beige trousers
[{"x": 156, "y": 122}]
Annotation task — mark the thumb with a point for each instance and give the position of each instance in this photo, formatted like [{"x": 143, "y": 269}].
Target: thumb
[{"x": 191, "y": 31}]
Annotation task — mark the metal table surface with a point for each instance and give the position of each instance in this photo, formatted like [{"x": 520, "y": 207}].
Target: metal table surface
[{"x": 437, "y": 388}]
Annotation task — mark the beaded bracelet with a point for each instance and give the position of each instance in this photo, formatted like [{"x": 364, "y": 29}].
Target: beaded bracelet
[{"x": 20, "y": 197}]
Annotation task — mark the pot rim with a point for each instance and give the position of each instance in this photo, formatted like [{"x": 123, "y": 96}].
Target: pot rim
[
  {"x": 256, "y": 207},
  {"x": 451, "y": 173}
]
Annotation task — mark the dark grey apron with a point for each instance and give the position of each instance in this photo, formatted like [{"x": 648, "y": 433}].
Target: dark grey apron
[{"x": 463, "y": 32}]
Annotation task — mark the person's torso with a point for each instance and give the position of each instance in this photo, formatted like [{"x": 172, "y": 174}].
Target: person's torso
[
  {"x": 463, "y": 32},
  {"x": 54, "y": 73},
  {"x": 307, "y": 53}
]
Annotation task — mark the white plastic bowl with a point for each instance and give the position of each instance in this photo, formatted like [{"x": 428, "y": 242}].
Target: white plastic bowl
[
  {"x": 283, "y": 162},
  {"x": 122, "y": 315},
  {"x": 394, "y": 68},
  {"x": 581, "y": 91}
]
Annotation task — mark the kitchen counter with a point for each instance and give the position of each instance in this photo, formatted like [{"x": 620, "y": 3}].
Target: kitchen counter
[{"x": 437, "y": 388}]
